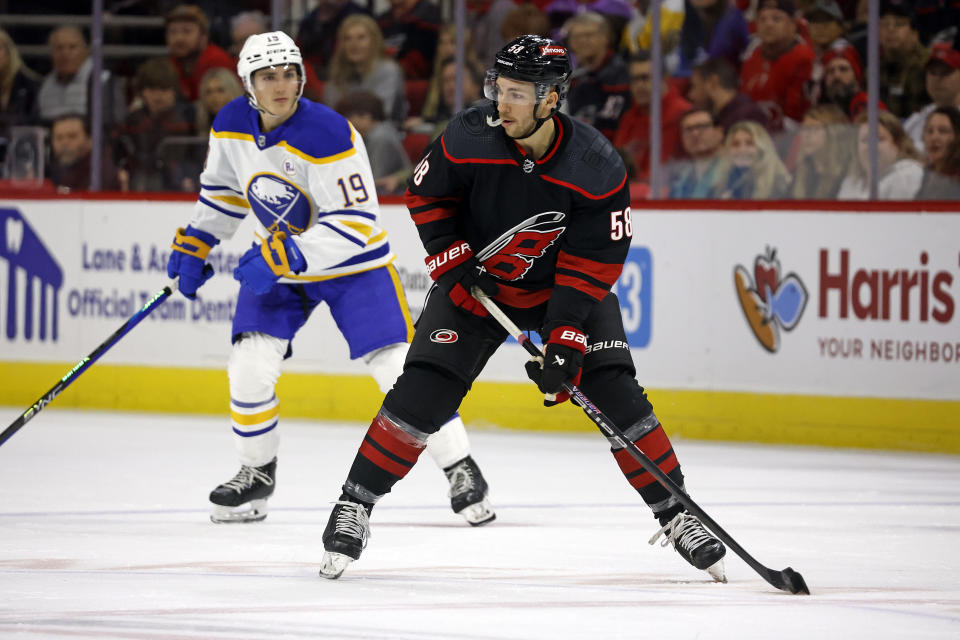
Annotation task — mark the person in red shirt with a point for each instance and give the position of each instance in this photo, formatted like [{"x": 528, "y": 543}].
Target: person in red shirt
[
  {"x": 191, "y": 52},
  {"x": 633, "y": 132},
  {"x": 775, "y": 74}
]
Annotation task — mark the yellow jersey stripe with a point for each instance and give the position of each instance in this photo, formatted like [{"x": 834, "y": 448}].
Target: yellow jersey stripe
[
  {"x": 248, "y": 420},
  {"x": 402, "y": 300},
  {"x": 236, "y": 201}
]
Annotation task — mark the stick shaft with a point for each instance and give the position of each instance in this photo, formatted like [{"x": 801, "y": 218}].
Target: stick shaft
[{"x": 85, "y": 363}]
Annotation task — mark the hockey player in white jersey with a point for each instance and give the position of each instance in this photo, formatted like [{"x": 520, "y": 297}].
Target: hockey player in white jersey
[{"x": 302, "y": 170}]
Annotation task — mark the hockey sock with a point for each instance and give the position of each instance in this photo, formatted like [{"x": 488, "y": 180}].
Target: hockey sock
[
  {"x": 655, "y": 444},
  {"x": 389, "y": 450}
]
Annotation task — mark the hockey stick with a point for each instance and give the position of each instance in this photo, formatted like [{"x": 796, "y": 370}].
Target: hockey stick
[
  {"x": 786, "y": 580},
  {"x": 84, "y": 364}
]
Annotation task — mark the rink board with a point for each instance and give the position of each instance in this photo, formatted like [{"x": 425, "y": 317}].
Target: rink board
[{"x": 834, "y": 327}]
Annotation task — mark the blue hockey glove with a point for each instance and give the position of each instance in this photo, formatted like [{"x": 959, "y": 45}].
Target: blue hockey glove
[
  {"x": 262, "y": 266},
  {"x": 562, "y": 362},
  {"x": 188, "y": 259}
]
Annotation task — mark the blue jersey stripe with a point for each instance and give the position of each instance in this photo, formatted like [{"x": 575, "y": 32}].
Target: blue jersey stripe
[
  {"x": 365, "y": 257},
  {"x": 362, "y": 214},
  {"x": 214, "y": 187},
  {"x": 345, "y": 235},
  {"x": 221, "y": 209},
  {"x": 251, "y": 405},
  {"x": 250, "y": 434}
]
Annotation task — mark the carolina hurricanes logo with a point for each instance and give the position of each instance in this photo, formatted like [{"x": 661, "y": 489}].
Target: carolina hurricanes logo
[
  {"x": 444, "y": 336},
  {"x": 510, "y": 256}
]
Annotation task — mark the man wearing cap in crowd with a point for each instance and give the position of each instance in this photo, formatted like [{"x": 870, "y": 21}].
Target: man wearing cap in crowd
[
  {"x": 776, "y": 73},
  {"x": 826, "y": 25},
  {"x": 191, "y": 52},
  {"x": 902, "y": 59},
  {"x": 842, "y": 77},
  {"x": 942, "y": 76}
]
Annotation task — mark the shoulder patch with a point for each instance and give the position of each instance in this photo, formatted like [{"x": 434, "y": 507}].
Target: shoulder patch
[{"x": 593, "y": 166}]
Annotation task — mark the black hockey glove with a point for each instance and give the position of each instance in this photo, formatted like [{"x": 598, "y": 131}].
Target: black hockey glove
[
  {"x": 562, "y": 362},
  {"x": 456, "y": 271}
]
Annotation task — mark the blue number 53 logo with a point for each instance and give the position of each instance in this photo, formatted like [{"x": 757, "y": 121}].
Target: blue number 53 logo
[{"x": 635, "y": 291}]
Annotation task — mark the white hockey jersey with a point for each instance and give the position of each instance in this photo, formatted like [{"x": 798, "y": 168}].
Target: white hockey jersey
[{"x": 310, "y": 177}]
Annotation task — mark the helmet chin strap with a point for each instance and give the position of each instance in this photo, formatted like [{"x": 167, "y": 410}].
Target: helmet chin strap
[{"x": 538, "y": 122}]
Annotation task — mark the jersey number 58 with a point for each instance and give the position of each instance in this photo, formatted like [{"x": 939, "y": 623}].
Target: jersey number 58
[{"x": 621, "y": 225}]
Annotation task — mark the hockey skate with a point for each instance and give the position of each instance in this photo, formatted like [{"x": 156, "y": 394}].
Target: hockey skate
[
  {"x": 244, "y": 499},
  {"x": 468, "y": 492},
  {"x": 344, "y": 538},
  {"x": 694, "y": 544}
]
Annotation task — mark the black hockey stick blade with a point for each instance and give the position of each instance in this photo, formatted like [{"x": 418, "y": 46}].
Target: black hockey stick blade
[
  {"x": 87, "y": 362},
  {"x": 786, "y": 580}
]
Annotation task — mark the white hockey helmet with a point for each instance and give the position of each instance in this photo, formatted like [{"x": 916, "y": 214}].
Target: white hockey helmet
[{"x": 271, "y": 49}]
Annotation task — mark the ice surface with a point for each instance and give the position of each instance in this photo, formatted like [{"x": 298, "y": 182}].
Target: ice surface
[{"x": 104, "y": 533}]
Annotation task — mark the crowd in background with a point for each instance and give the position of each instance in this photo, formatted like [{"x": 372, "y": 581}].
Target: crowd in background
[{"x": 760, "y": 99}]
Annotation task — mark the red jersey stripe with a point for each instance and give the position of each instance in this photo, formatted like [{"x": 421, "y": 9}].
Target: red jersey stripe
[
  {"x": 370, "y": 452},
  {"x": 583, "y": 192},
  {"x": 602, "y": 271},
  {"x": 591, "y": 290},
  {"x": 433, "y": 214}
]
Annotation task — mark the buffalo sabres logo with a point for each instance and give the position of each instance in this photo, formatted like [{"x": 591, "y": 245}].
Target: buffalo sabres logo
[
  {"x": 278, "y": 204},
  {"x": 510, "y": 256}
]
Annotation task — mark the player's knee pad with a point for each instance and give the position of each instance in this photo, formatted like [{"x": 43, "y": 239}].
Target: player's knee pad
[
  {"x": 386, "y": 364},
  {"x": 254, "y": 366},
  {"x": 425, "y": 396},
  {"x": 617, "y": 394}
]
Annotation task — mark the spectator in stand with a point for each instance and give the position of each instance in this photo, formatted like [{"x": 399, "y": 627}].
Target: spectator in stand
[
  {"x": 637, "y": 35},
  {"x": 753, "y": 170},
  {"x": 434, "y": 119},
  {"x": 600, "y": 86},
  {"x": 842, "y": 83},
  {"x": 711, "y": 29},
  {"x": 18, "y": 86},
  {"x": 70, "y": 148},
  {"x": 317, "y": 33},
  {"x": 523, "y": 19},
  {"x": 825, "y": 153},
  {"x": 388, "y": 159},
  {"x": 702, "y": 139},
  {"x": 410, "y": 29},
  {"x": 218, "y": 87},
  {"x": 943, "y": 183},
  {"x": 778, "y": 71},
  {"x": 633, "y": 134},
  {"x": 360, "y": 62},
  {"x": 941, "y": 130},
  {"x": 826, "y": 26},
  {"x": 902, "y": 60},
  {"x": 446, "y": 48},
  {"x": 942, "y": 75},
  {"x": 936, "y": 20},
  {"x": 486, "y": 18},
  {"x": 898, "y": 166},
  {"x": 714, "y": 85},
  {"x": 191, "y": 52},
  {"x": 139, "y": 138},
  {"x": 66, "y": 89},
  {"x": 243, "y": 25}
]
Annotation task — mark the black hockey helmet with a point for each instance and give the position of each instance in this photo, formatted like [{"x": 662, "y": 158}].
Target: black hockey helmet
[{"x": 534, "y": 59}]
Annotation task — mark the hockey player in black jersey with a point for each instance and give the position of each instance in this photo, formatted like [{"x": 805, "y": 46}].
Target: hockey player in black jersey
[{"x": 533, "y": 208}]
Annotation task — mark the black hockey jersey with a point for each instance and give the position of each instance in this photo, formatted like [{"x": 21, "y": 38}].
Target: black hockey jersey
[{"x": 555, "y": 229}]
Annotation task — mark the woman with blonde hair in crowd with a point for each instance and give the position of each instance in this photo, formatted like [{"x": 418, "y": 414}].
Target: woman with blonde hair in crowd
[
  {"x": 360, "y": 63},
  {"x": 217, "y": 87},
  {"x": 897, "y": 162},
  {"x": 18, "y": 85},
  {"x": 825, "y": 151},
  {"x": 753, "y": 170}
]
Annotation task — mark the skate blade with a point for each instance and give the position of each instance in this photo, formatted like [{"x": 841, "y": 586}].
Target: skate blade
[
  {"x": 479, "y": 513},
  {"x": 253, "y": 511},
  {"x": 717, "y": 571},
  {"x": 333, "y": 564}
]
